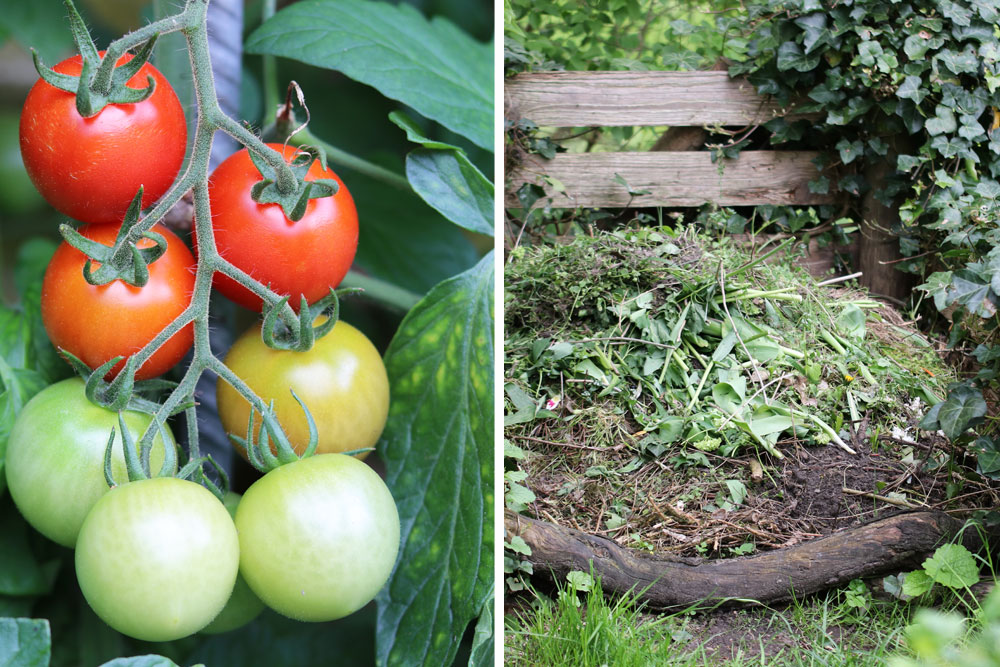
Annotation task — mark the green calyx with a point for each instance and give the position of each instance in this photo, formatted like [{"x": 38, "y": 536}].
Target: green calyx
[
  {"x": 100, "y": 82},
  {"x": 300, "y": 335},
  {"x": 257, "y": 442},
  {"x": 124, "y": 260},
  {"x": 292, "y": 195}
]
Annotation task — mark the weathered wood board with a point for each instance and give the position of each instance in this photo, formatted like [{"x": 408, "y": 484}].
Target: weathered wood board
[
  {"x": 681, "y": 178},
  {"x": 607, "y": 99}
]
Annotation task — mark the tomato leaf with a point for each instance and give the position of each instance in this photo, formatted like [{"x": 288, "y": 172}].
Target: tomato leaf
[
  {"x": 404, "y": 241},
  {"x": 24, "y": 642},
  {"x": 483, "y": 640},
  {"x": 444, "y": 177},
  {"x": 438, "y": 451},
  {"x": 431, "y": 66}
]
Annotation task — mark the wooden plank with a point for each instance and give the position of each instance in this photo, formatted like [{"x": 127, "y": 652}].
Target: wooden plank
[
  {"x": 673, "y": 178},
  {"x": 585, "y": 99}
]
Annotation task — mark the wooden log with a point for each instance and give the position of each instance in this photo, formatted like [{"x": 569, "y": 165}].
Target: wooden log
[
  {"x": 606, "y": 99},
  {"x": 688, "y": 178},
  {"x": 897, "y": 543}
]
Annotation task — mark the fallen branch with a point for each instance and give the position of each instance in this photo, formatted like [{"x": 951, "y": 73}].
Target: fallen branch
[{"x": 897, "y": 543}]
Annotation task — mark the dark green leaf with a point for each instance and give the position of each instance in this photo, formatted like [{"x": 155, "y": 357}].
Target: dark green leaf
[
  {"x": 438, "y": 451},
  {"x": 963, "y": 409},
  {"x": 972, "y": 292},
  {"x": 405, "y": 241},
  {"x": 431, "y": 66},
  {"x": 912, "y": 89},
  {"x": 24, "y": 642},
  {"x": 790, "y": 56},
  {"x": 959, "y": 62},
  {"x": 453, "y": 186}
]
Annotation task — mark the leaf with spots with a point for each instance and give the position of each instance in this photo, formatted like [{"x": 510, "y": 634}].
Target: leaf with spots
[{"x": 438, "y": 451}]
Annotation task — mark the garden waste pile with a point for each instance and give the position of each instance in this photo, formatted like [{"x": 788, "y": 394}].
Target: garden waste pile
[{"x": 651, "y": 354}]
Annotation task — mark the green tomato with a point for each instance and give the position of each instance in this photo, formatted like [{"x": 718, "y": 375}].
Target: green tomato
[
  {"x": 55, "y": 457},
  {"x": 342, "y": 381},
  {"x": 157, "y": 558},
  {"x": 243, "y": 605},
  {"x": 318, "y": 537}
]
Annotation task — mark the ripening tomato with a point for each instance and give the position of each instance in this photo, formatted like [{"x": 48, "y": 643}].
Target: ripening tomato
[
  {"x": 96, "y": 324},
  {"x": 55, "y": 457},
  {"x": 91, "y": 168},
  {"x": 306, "y": 257},
  {"x": 318, "y": 537},
  {"x": 342, "y": 381},
  {"x": 157, "y": 558}
]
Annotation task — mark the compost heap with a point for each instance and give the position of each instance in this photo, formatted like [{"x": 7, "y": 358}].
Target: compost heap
[{"x": 655, "y": 381}]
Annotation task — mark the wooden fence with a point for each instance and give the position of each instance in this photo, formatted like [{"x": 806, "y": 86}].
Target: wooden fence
[{"x": 672, "y": 178}]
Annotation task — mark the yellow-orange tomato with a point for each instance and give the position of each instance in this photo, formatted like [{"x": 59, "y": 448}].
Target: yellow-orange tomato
[{"x": 341, "y": 380}]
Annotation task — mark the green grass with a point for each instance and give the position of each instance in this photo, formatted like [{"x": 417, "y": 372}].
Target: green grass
[{"x": 846, "y": 627}]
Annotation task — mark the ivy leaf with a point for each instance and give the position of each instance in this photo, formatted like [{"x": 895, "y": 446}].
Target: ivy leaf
[
  {"x": 850, "y": 150},
  {"x": 790, "y": 56},
  {"x": 962, "y": 16},
  {"x": 911, "y": 89},
  {"x": 952, "y": 565},
  {"x": 814, "y": 27},
  {"x": 963, "y": 409},
  {"x": 943, "y": 122},
  {"x": 987, "y": 456},
  {"x": 444, "y": 177},
  {"x": 25, "y": 642},
  {"x": 431, "y": 66},
  {"x": 438, "y": 452},
  {"x": 972, "y": 292},
  {"x": 869, "y": 52},
  {"x": 959, "y": 62},
  {"x": 916, "y": 46}
]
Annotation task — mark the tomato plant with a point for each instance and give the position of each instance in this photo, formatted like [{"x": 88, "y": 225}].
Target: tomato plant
[
  {"x": 90, "y": 168},
  {"x": 157, "y": 558},
  {"x": 318, "y": 537},
  {"x": 55, "y": 458},
  {"x": 400, "y": 247},
  {"x": 341, "y": 380},
  {"x": 97, "y": 323},
  {"x": 305, "y": 257}
]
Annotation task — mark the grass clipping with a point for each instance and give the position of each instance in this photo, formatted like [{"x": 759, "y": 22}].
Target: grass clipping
[{"x": 670, "y": 345}]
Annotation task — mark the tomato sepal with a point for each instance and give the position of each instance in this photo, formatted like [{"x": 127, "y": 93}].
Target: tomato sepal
[
  {"x": 277, "y": 335},
  {"x": 103, "y": 84},
  {"x": 194, "y": 471},
  {"x": 258, "y": 450},
  {"x": 131, "y": 266},
  {"x": 292, "y": 197}
]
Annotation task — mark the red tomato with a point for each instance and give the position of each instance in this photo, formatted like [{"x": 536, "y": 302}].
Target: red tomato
[
  {"x": 91, "y": 168},
  {"x": 98, "y": 323},
  {"x": 306, "y": 257}
]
